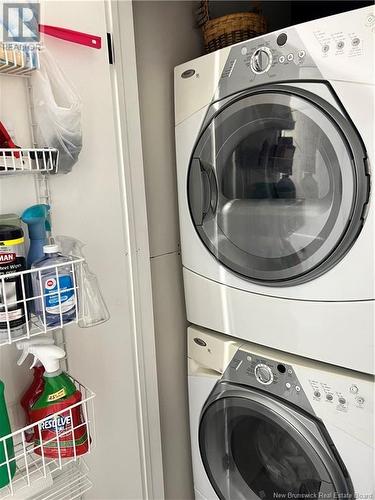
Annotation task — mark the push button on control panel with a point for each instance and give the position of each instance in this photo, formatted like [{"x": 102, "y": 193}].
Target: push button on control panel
[{"x": 360, "y": 400}]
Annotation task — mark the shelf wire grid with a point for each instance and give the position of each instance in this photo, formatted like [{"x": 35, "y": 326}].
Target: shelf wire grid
[
  {"x": 19, "y": 59},
  {"x": 26, "y": 314},
  {"x": 32, "y": 464},
  {"x": 70, "y": 483},
  {"x": 28, "y": 160}
]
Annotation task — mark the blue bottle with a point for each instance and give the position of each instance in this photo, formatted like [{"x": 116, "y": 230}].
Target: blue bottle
[{"x": 53, "y": 287}]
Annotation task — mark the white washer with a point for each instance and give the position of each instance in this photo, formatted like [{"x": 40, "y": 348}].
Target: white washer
[
  {"x": 275, "y": 139},
  {"x": 267, "y": 425}
]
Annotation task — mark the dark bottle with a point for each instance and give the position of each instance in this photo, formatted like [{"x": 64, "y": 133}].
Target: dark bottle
[{"x": 285, "y": 188}]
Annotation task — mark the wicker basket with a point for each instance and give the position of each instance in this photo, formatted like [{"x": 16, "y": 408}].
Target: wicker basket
[{"x": 232, "y": 28}]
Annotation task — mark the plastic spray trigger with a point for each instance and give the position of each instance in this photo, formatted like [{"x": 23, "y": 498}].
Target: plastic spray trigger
[{"x": 25, "y": 345}]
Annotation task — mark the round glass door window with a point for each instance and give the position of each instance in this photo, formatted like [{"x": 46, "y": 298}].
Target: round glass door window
[
  {"x": 250, "y": 452},
  {"x": 273, "y": 187}
]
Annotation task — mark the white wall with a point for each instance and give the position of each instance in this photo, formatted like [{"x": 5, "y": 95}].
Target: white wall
[{"x": 165, "y": 37}]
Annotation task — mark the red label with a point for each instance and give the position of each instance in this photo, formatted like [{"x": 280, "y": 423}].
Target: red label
[
  {"x": 7, "y": 258},
  {"x": 64, "y": 434}
]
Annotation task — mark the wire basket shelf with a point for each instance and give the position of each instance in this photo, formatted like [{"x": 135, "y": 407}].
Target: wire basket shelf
[
  {"x": 33, "y": 469},
  {"x": 69, "y": 483},
  {"x": 28, "y": 160},
  {"x": 30, "y": 305},
  {"x": 19, "y": 59}
]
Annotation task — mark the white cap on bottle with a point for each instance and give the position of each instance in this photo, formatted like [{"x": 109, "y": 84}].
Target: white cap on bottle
[{"x": 51, "y": 248}]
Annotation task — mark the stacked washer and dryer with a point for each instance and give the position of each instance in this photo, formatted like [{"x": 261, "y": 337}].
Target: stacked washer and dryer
[{"x": 275, "y": 145}]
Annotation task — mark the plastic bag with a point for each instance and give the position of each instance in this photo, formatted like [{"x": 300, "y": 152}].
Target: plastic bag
[
  {"x": 57, "y": 112},
  {"x": 92, "y": 308}
]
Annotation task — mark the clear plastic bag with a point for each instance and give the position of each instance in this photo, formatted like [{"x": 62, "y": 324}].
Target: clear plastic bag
[
  {"x": 57, "y": 112},
  {"x": 92, "y": 308}
]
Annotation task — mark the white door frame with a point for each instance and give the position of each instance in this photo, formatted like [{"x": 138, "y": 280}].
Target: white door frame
[{"x": 125, "y": 92}]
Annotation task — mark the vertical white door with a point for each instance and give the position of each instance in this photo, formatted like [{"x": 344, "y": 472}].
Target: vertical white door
[{"x": 95, "y": 204}]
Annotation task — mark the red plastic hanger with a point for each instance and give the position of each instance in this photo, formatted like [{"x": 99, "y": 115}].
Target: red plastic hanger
[{"x": 86, "y": 39}]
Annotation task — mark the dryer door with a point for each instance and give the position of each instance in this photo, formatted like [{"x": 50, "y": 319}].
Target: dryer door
[
  {"x": 277, "y": 185},
  {"x": 254, "y": 447}
]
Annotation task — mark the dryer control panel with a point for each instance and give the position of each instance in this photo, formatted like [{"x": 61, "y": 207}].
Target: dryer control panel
[
  {"x": 335, "y": 48},
  {"x": 267, "y": 59}
]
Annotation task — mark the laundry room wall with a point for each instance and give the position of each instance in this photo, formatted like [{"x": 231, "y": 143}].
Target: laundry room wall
[{"x": 166, "y": 36}]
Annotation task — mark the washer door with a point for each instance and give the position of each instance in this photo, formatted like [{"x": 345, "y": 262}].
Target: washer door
[
  {"x": 277, "y": 186},
  {"x": 254, "y": 447}
]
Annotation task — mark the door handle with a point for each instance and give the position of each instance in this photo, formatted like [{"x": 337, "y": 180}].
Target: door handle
[{"x": 202, "y": 188}]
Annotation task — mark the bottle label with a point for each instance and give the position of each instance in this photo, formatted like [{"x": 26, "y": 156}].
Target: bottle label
[
  {"x": 57, "y": 395},
  {"x": 13, "y": 290},
  {"x": 62, "y": 431},
  {"x": 59, "y": 295}
]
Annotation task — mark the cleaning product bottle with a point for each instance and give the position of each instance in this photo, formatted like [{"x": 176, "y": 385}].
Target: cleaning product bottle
[
  {"x": 13, "y": 316},
  {"x": 63, "y": 431},
  {"x": 38, "y": 223},
  {"x": 7, "y": 461},
  {"x": 37, "y": 386},
  {"x": 10, "y": 220},
  {"x": 58, "y": 306}
]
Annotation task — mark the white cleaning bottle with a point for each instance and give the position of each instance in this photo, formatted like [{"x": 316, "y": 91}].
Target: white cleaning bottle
[{"x": 54, "y": 288}]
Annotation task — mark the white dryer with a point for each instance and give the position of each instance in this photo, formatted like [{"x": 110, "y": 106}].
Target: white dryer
[
  {"x": 275, "y": 140},
  {"x": 268, "y": 425}
]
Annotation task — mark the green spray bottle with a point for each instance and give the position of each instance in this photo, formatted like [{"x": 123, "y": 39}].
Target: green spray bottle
[
  {"x": 7, "y": 462},
  {"x": 63, "y": 432}
]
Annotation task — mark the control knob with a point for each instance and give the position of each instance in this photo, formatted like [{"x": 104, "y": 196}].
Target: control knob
[
  {"x": 261, "y": 60},
  {"x": 263, "y": 374}
]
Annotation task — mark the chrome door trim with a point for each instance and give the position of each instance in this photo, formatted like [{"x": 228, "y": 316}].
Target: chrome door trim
[{"x": 361, "y": 176}]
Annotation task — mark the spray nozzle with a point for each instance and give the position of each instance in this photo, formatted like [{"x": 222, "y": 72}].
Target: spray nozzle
[
  {"x": 48, "y": 355},
  {"x": 37, "y": 219},
  {"x": 25, "y": 345}
]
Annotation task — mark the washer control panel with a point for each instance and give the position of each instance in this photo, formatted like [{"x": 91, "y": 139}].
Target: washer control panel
[
  {"x": 269, "y": 375},
  {"x": 343, "y": 397},
  {"x": 313, "y": 390}
]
